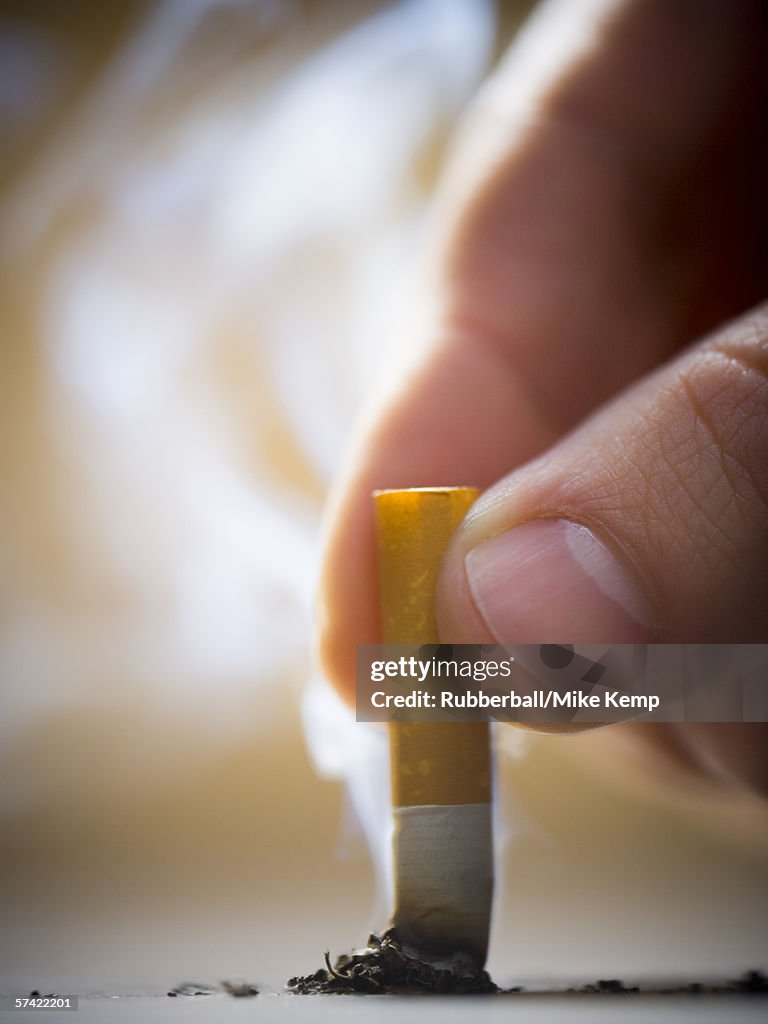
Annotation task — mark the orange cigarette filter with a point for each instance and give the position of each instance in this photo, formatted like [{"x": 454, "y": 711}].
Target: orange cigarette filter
[{"x": 441, "y": 773}]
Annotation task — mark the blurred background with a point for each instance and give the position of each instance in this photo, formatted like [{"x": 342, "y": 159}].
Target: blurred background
[{"x": 209, "y": 219}]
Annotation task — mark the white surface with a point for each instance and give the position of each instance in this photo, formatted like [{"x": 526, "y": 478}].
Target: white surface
[{"x": 372, "y": 1009}]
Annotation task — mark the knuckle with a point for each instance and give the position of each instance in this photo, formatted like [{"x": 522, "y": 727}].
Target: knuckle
[
  {"x": 746, "y": 342},
  {"x": 726, "y": 390}
]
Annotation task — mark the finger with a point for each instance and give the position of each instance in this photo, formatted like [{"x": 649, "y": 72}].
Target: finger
[
  {"x": 648, "y": 523},
  {"x": 601, "y": 187},
  {"x": 546, "y": 268}
]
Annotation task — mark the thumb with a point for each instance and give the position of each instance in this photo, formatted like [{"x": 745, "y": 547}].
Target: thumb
[{"x": 648, "y": 523}]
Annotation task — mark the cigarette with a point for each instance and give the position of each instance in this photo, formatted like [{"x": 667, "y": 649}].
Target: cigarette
[{"x": 441, "y": 773}]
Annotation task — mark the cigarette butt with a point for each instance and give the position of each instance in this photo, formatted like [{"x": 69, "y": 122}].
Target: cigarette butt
[{"x": 441, "y": 773}]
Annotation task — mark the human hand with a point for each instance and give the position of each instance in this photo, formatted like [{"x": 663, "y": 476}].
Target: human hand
[{"x": 605, "y": 209}]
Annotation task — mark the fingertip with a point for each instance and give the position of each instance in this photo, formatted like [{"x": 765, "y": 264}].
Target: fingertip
[
  {"x": 345, "y": 605},
  {"x": 335, "y": 664}
]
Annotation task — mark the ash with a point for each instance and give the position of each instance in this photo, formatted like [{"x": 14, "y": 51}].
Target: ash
[{"x": 384, "y": 967}]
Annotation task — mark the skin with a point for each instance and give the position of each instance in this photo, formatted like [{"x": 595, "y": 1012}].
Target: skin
[{"x": 591, "y": 344}]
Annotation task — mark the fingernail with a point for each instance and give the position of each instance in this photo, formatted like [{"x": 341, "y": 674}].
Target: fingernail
[{"x": 553, "y": 581}]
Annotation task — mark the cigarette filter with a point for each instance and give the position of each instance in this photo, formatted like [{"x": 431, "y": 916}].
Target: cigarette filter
[{"x": 441, "y": 773}]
